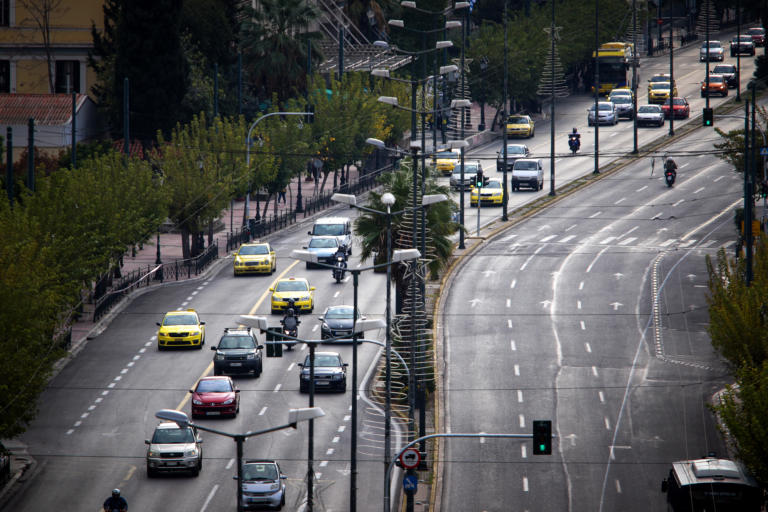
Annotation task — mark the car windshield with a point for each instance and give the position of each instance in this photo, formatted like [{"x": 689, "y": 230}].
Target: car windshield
[
  {"x": 173, "y": 435},
  {"x": 724, "y": 69},
  {"x": 660, "y": 78},
  {"x": 516, "y": 150},
  {"x": 712, "y": 44},
  {"x": 649, "y": 109},
  {"x": 329, "y": 229},
  {"x": 605, "y": 106},
  {"x": 676, "y": 101},
  {"x": 517, "y": 120},
  {"x": 756, "y": 31},
  {"x": 524, "y": 166},
  {"x": 621, "y": 99},
  {"x": 213, "y": 386},
  {"x": 260, "y": 472},
  {"x": 236, "y": 342},
  {"x": 324, "y": 360},
  {"x": 743, "y": 39},
  {"x": 292, "y": 286},
  {"x": 339, "y": 312},
  {"x": 658, "y": 86},
  {"x": 323, "y": 243},
  {"x": 468, "y": 169},
  {"x": 253, "y": 249},
  {"x": 446, "y": 154},
  {"x": 715, "y": 79},
  {"x": 189, "y": 319},
  {"x": 492, "y": 184}
]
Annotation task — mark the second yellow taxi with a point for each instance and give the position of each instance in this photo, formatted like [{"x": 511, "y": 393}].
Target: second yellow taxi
[
  {"x": 296, "y": 288},
  {"x": 255, "y": 258},
  {"x": 491, "y": 193},
  {"x": 181, "y": 329}
]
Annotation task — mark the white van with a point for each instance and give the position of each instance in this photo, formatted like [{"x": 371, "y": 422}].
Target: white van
[
  {"x": 527, "y": 172},
  {"x": 340, "y": 227}
]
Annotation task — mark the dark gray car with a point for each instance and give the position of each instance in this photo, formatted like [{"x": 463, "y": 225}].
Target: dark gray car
[
  {"x": 237, "y": 352},
  {"x": 337, "y": 321},
  {"x": 330, "y": 372}
]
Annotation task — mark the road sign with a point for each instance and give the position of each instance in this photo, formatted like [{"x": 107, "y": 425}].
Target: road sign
[
  {"x": 410, "y": 458},
  {"x": 763, "y": 151},
  {"x": 410, "y": 483}
]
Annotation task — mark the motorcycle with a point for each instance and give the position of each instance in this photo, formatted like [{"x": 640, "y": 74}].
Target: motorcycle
[
  {"x": 574, "y": 143},
  {"x": 339, "y": 269},
  {"x": 290, "y": 323},
  {"x": 670, "y": 176}
]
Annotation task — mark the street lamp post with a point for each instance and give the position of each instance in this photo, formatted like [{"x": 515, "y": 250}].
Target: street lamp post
[{"x": 294, "y": 416}]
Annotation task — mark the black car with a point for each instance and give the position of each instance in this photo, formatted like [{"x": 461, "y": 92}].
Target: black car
[
  {"x": 741, "y": 45},
  {"x": 330, "y": 372},
  {"x": 237, "y": 352},
  {"x": 729, "y": 73},
  {"x": 337, "y": 321},
  {"x": 514, "y": 151}
]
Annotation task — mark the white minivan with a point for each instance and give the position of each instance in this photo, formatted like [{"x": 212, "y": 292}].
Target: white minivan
[
  {"x": 527, "y": 172},
  {"x": 339, "y": 227}
]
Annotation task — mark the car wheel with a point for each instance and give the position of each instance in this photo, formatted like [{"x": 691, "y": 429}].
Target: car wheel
[
  {"x": 160, "y": 348},
  {"x": 309, "y": 265},
  {"x": 274, "y": 311},
  {"x": 151, "y": 472},
  {"x": 196, "y": 472},
  {"x": 234, "y": 274},
  {"x": 725, "y": 93}
]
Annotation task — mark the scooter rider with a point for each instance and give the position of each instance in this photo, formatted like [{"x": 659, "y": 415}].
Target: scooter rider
[
  {"x": 290, "y": 323},
  {"x": 670, "y": 166},
  {"x": 341, "y": 252},
  {"x": 574, "y": 139},
  {"x": 116, "y": 502}
]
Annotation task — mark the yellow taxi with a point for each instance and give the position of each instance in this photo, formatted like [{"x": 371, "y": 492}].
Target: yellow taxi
[
  {"x": 659, "y": 92},
  {"x": 520, "y": 126},
  {"x": 181, "y": 329},
  {"x": 296, "y": 288},
  {"x": 255, "y": 258},
  {"x": 445, "y": 161},
  {"x": 490, "y": 193}
]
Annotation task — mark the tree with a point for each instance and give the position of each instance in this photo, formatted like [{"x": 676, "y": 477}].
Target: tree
[
  {"x": 102, "y": 60},
  {"x": 732, "y": 148},
  {"x": 274, "y": 46},
  {"x": 42, "y": 12}
]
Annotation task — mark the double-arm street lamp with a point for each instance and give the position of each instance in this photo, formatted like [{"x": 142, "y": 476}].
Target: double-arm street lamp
[{"x": 294, "y": 417}]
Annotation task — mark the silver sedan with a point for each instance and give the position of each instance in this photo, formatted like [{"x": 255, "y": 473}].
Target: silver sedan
[{"x": 650, "y": 115}]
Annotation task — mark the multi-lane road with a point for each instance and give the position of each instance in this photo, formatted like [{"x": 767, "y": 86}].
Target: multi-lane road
[{"x": 563, "y": 329}]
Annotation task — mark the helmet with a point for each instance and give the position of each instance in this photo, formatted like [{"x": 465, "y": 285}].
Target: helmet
[
  {"x": 116, "y": 493},
  {"x": 575, "y": 130},
  {"x": 290, "y": 312}
]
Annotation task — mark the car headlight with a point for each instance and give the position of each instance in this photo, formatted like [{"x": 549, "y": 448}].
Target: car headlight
[
  {"x": 336, "y": 376},
  {"x": 219, "y": 357},
  {"x": 325, "y": 327},
  {"x": 237, "y": 259},
  {"x": 153, "y": 453},
  {"x": 197, "y": 402},
  {"x": 191, "y": 453},
  {"x": 274, "y": 487},
  {"x": 250, "y": 356},
  {"x": 304, "y": 376},
  {"x": 227, "y": 402}
]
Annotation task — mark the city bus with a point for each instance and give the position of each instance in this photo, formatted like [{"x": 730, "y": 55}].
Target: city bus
[
  {"x": 711, "y": 485},
  {"x": 615, "y": 60}
]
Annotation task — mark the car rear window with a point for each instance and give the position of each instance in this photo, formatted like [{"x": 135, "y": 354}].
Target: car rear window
[
  {"x": 323, "y": 243},
  {"x": 517, "y": 120}
]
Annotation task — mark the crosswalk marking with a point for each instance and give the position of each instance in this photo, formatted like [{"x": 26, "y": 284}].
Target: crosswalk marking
[{"x": 628, "y": 241}]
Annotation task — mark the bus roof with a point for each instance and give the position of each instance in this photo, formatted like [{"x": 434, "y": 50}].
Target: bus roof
[
  {"x": 615, "y": 49},
  {"x": 711, "y": 470}
]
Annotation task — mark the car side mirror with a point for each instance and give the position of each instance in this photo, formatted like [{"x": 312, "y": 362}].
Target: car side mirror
[
  {"x": 146, "y": 441},
  {"x": 300, "y": 365},
  {"x": 158, "y": 323},
  {"x": 200, "y": 440},
  {"x": 311, "y": 288},
  {"x": 309, "y": 232},
  {"x": 259, "y": 347},
  {"x": 363, "y": 318},
  {"x": 202, "y": 323},
  {"x": 322, "y": 319},
  {"x": 191, "y": 391},
  {"x": 345, "y": 365},
  {"x": 272, "y": 289},
  {"x": 237, "y": 390},
  {"x": 213, "y": 347},
  {"x": 283, "y": 477},
  {"x": 664, "y": 485}
]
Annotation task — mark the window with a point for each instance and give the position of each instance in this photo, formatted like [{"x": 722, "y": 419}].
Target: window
[
  {"x": 67, "y": 76},
  {"x": 5, "y": 75},
  {"x": 5, "y": 13}
]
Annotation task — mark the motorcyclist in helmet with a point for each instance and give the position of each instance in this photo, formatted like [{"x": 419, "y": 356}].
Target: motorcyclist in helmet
[
  {"x": 115, "y": 502},
  {"x": 670, "y": 165},
  {"x": 574, "y": 140},
  {"x": 341, "y": 252},
  {"x": 575, "y": 134}
]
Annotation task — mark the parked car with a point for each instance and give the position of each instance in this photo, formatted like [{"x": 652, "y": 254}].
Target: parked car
[
  {"x": 262, "y": 484},
  {"x": 330, "y": 372},
  {"x": 528, "y": 172},
  {"x": 174, "y": 449},
  {"x": 741, "y": 45},
  {"x": 715, "y": 51},
  {"x": 514, "y": 151},
  {"x": 215, "y": 396},
  {"x": 238, "y": 351},
  {"x": 650, "y": 115},
  {"x": 758, "y": 35},
  {"x": 678, "y": 107},
  {"x": 715, "y": 85},
  {"x": 606, "y": 113},
  {"x": 729, "y": 73}
]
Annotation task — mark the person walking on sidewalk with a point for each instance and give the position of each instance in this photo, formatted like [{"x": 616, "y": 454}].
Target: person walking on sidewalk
[{"x": 281, "y": 196}]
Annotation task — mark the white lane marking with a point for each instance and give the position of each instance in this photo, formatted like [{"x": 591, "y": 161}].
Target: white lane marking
[
  {"x": 517, "y": 370},
  {"x": 336, "y": 294},
  {"x": 594, "y": 371},
  {"x": 111, "y": 385},
  {"x": 578, "y": 304},
  {"x": 142, "y": 350},
  {"x": 341, "y": 428},
  {"x": 335, "y": 439},
  {"x": 136, "y": 358},
  {"x": 509, "y": 303},
  {"x": 78, "y": 423},
  {"x": 201, "y": 287},
  {"x": 523, "y": 452},
  {"x": 582, "y": 325},
  {"x": 698, "y": 190},
  {"x": 685, "y": 165},
  {"x": 669, "y": 241},
  {"x": 525, "y": 264},
  {"x": 229, "y": 464},
  {"x": 104, "y": 393},
  {"x": 346, "y": 279},
  {"x": 513, "y": 283},
  {"x": 98, "y": 400},
  {"x": 119, "y": 377},
  {"x": 521, "y": 418},
  {"x": 263, "y": 410},
  {"x": 618, "y": 486},
  {"x": 130, "y": 363},
  {"x": 657, "y": 216},
  {"x": 323, "y": 463},
  {"x": 209, "y": 498},
  {"x": 290, "y": 367},
  {"x": 566, "y": 239},
  {"x": 628, "y": 241},
  {"x": 525, "y": 484},
  {"x": 642, "y": 188},
  {"x": 547, "y": 238},
  {"x": 678, "y": 202},
  {"x": 316, "y": 327},
  {"x": 512, "y": 345},
  {"x": 509, "y": 323},
  {"x": 601, "y": 396},
  {"x": 189, "y": 298},
  {"x": 570, "y": 228},
  {"x": 520, "y": 396},
  {"x": 581, "y": 285},
  {"x": 195, "y": 292},
  {"x": 607, "y": 423},
  {"x": 181, "y": 308},
  {"x": 594, "y": 215},
  {"x": 506, "y": 239},
  {"x": 608, "y": 240},
  {"x": 588, "y": 348},
  {"x": 347, "y": 417},
  {"x": 687, "y": 243},
  {"x": 707, "y": 243},
  {"x": 150, "y": 343},
  {"x": 329, "y": 451},
  {"x": 70, "y": 431},
  {"x": 124, "y": 371},
  {"x": 628, "y": 232},
  {"x": 277, "y": 388},
  {"x": 718, "y": 178},
  {"x": 92, "y": 407},
  {"x": 620, "y": 200},
  {"x": 589, "y": 268}
]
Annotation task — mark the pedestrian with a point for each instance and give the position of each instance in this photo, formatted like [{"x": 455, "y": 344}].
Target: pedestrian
[{"x": 281, "y": 196}]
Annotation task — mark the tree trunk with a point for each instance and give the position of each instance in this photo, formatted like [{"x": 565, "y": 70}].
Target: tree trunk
[
  {"x": 184, "y": 242},
  {"x": 266, "y": 206},
  {"x": 325, "y": 178}
]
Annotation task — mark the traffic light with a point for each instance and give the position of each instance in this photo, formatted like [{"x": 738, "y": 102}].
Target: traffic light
[
  {"x": 542, "y": 437},
  {"x": 479, "y": 178},
  {"x": 709, "y": 117}
]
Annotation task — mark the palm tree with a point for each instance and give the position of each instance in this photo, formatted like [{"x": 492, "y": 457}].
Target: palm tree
[{"x": 274, "y": 46}]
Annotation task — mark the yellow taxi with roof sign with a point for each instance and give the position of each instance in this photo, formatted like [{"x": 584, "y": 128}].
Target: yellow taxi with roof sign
[
  {"x": 254, "y": 258},
  {"x": 293, "y": 289},
  {"x": 181, "y": 329}
]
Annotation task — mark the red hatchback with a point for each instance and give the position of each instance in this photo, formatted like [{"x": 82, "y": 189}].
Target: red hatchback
[
  {"x": 215, "y": 396},
  {"x": 679, "y": 106},
  {"x": 758, "y": 35}
]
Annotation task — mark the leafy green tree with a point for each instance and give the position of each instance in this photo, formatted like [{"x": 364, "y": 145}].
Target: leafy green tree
[
  {"x": 274, "y": 46},
  {"x": 731, "y": 149}
]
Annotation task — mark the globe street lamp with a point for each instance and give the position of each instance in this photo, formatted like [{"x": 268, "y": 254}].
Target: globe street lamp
[{"x": 294, "y": 417}]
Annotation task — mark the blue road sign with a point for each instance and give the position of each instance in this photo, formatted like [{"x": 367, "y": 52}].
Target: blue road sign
[
  {"x": 410, "y": 483},
  {"x": 763, "y": 151}
]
